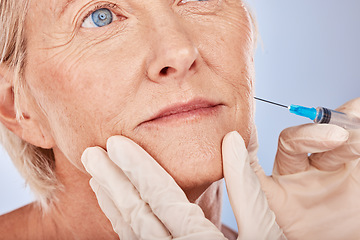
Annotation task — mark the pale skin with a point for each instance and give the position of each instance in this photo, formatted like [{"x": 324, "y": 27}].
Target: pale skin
[{"x": 93, "y": 83}]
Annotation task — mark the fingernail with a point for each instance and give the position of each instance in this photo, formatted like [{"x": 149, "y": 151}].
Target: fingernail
[
  {"x": 237, "y": 140},
  {"x": 94, "y": 184},
  {"x": 114, "y": 141},
  {"x": 84, "y": 156},
  {"x": 90, "y": 157}
]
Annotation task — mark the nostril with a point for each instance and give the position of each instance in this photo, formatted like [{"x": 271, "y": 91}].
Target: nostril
[
  {"x": 167, "y": 71},
  {"x": 164, "y": 71}
]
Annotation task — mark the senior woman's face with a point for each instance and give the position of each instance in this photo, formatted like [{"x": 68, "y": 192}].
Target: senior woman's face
[{"x": 174, "y": 76}]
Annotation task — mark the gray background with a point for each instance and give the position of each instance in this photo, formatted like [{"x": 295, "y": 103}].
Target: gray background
[{"x": 307, "y": 55}]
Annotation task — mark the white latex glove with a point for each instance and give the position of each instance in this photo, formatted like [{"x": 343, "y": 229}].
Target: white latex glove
[
  {"x": 316, "y": 197},
  {"x": 143, "y": 202},
  {"x": 254, "y": 218}
]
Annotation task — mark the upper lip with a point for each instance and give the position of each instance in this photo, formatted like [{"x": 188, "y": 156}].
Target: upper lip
[{"x": 177, "y": 108}]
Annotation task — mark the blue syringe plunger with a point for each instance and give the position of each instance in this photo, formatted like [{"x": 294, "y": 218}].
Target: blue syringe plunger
[{"x": 303, "y": 111}]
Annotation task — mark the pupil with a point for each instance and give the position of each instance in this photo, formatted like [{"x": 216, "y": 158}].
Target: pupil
[{"x": 102, "y": 16}]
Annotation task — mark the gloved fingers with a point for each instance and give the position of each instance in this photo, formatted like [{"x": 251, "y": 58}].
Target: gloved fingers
[
  {"x": 336, "y": 158},
  {"x": 134, "y": 210},
  {"x": 160, "y": 191},
  {"x": 267, "y": 183},
  {"x": 296, "y": 142},
  {"x": 252, "y": 149},
  {"x": 120, "y": 226},
  {"x": 351, "y": 107},
  {"x": 254, "y": 218}
]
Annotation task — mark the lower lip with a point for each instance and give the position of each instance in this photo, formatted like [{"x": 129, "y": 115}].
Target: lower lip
[{"x": 188, "y": 116}]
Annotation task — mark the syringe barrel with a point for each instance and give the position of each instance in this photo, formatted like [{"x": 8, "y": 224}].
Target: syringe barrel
[{"x": 325, "y": 115}]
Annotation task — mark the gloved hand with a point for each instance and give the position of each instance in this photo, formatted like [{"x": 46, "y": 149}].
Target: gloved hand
[
  {"x": 316, "y": 197},
  {"x": 143, "y": 202}
]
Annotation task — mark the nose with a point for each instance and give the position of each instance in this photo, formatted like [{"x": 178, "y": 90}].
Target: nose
[{"x": 174, "y": 55}]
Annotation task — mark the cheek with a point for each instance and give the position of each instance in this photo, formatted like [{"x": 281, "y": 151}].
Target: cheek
[
  {"x": 80, "y": 100},
  {"x": 228, "y": 48},
  {"x": 230, "y": 55},
  {"x": 85, "y": 104}
]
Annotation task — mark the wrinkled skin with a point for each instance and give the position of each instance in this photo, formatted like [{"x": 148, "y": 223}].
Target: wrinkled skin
[
  {"x": 92, "y": 83},
  {"x": 84, "y": 85}
]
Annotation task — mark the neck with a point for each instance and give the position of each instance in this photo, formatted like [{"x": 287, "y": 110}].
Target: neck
[{"x": 77, "y": 215}]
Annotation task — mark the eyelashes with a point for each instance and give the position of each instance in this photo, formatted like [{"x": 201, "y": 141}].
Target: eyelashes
[
  {"x": 104, "y": 14},
  {"x": 100, "y": 16}
]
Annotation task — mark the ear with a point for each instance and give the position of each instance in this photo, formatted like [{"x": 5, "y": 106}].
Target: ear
[{"x": 28, "y": 128}]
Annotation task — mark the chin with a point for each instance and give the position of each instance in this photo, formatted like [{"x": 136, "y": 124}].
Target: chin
[
  {"x": 193, "y": 160},
  {"x": 189, "y": 148},
  {"x": 194, "y": 171}
]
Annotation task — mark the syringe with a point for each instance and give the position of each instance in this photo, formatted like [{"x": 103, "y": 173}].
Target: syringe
[{"x": 322, "y": 115}]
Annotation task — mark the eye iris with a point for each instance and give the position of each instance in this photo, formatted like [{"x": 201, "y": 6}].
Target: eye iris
[{"x": 102, "y": 17}]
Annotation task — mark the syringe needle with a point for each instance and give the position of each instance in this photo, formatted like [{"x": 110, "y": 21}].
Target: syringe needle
[
  {"x": 322, "y": 115},
  {"x": 278, "y": 104}
]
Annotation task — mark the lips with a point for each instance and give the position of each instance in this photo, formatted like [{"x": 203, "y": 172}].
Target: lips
[{"x": 192, "y": 109}]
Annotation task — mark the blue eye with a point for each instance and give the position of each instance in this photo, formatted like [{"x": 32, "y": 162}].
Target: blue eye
[{"x": 98, "y": 18}]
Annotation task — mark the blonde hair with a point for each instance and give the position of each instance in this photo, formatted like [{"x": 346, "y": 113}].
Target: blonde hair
[{"x": 35, "y": 164}]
